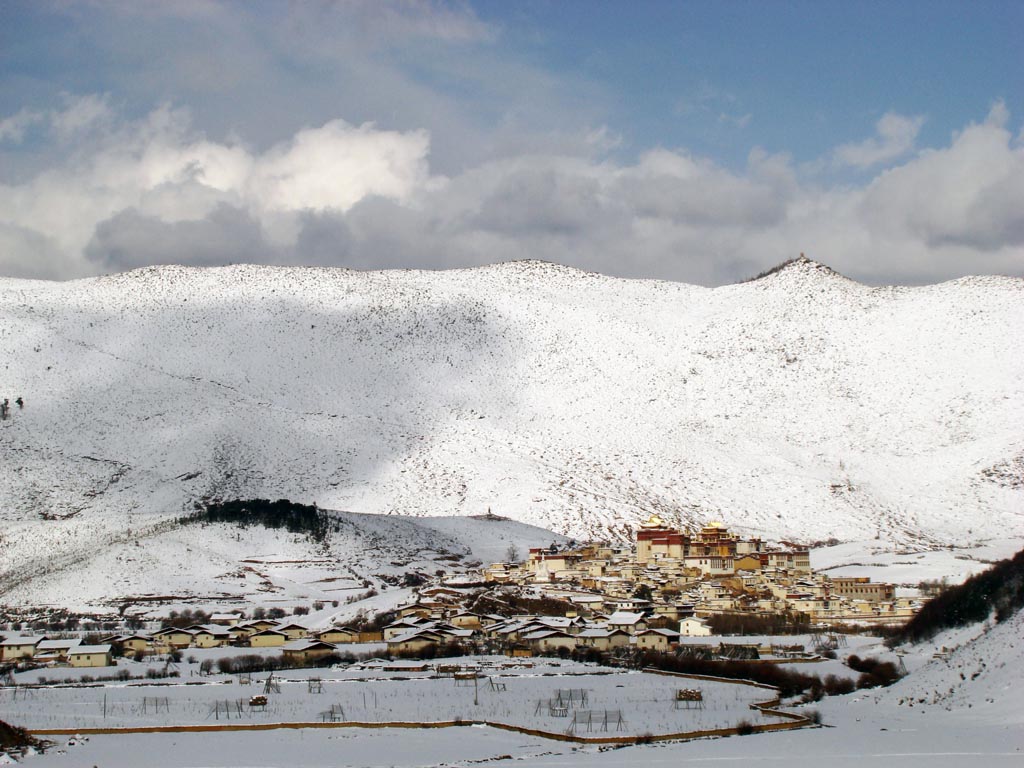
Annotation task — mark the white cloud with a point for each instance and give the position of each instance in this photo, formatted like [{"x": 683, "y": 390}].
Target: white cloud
[
  {"x": 418, "y": 18},
  {"x": 80, "y": 113},
  {"x": 155, "y": 190},
  {"x": 13, "y": 128},
  {"x": 694, "y": 191},
  {"x": 896, "y": 137},
  {"x": 968, "y": 194},
  {"x": 337, "y": 165},
  {"x": 159, "y": 168}
]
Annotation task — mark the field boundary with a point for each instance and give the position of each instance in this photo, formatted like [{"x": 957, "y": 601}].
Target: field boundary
[{"x": 792, "y": 720}]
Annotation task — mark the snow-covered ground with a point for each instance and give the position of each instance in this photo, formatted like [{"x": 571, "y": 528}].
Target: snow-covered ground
[
  {"x": 934, "y": 718},
  {"x": 800, "y": 406},
  {"x": 229, "y": 566},
  {"x": 909, "y": 564},
  {"x": 516, "y": 694}
]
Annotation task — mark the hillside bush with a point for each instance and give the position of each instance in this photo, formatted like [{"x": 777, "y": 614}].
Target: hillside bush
[
  {"x": 14, "y": 738},
  {"x": 789, "y": 682},
  {"x": 791, "y": 623},
  {"x": 997, "y": 592},
  {"x": 289, "y": 515},
  {"x": 874, "y": 672}
]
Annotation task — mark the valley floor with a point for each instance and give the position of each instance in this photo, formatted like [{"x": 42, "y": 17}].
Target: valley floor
[
  {"x": 961, "y": 705},
  {"x": 860, "y": 735}
]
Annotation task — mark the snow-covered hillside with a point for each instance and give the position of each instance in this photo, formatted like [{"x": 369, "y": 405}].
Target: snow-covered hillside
[
  {"x": 224, "y": 566},
  {"x": 798, "y": 406}
]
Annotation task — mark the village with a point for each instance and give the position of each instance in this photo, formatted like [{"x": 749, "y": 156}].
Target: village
[
  {"x": 683, "y": 635},
  {"x": 678, "y": 574},
  {"x": 664, "y": 593}
]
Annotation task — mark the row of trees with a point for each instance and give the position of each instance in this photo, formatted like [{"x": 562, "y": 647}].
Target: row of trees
[
  {"x": 289, "y": 515},
  {"x": 997, "y": 592}
]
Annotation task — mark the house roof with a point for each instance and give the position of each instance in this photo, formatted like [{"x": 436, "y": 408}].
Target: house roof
[
  {"x": 88, "y": 649},
  {"x": 546, "y": 633},
  {"x": 306, "y": 645},
  {"x": 173, "y": 630},
  {"x": 212, "y": 629},
  {"x": 23, "y": 640},
  {"x": 51, "y": 645},
  {"x": 126, "y": 638},
  {"x": 592, "y": 632},
  {"x": 417, "y": 634},
  {"x": 664, "y": 632},
  {"x": 458, "y": 632},
  {"x": 408, "y": 621},
  {"x": 625, "y": 617},
  {"x": 346, "y": 630}
]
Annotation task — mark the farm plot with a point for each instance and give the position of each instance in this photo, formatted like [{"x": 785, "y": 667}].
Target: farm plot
[{"x": 584, "y": 701}]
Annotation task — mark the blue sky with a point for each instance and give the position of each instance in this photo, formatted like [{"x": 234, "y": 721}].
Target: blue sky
[
  {"x": 810, "y": 74},
  {"x": 685, "y": 141}
]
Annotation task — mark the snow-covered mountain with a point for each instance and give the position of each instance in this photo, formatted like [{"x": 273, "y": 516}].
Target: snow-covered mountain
[
  {"x": 222, "y": 565},
  {"x": 801, "y": 405}
]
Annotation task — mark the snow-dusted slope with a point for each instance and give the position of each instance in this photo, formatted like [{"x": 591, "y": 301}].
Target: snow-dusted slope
[
  {"x": 977, "y": 669},
  {"x": 801, "y": 405},
  {"x": 223, "y": 565}
]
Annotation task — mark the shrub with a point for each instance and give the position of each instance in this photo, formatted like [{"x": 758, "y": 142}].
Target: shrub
[
  {"x": 789, "y": 682},
  {"x": 875, "y": 672},
  {"x": 838, "y": 686},
  {"x": 413, "y": 579},
  {"x": 14, "y": 738},
  {"x": 187, "y": 618},
  {"x": 248, "y": 663},
  {"x": 744, "y": 728},
  {"x": 791, "y": 623},
  {"x": 293, "y": 517}
]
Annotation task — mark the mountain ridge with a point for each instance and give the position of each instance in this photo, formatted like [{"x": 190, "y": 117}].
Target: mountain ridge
[{"x": 801, "y": 405}]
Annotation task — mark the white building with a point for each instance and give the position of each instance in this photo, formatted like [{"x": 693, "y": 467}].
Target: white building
[{"x": 694, "y": 627}]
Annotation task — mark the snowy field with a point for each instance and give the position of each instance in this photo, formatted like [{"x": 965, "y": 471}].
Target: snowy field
[
  {"x": 960, "y": 709},
  {"x": 518, "y": 693},
  {"x": 859, "y": 734}
]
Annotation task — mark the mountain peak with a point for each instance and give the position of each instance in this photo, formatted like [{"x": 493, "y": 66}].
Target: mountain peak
[{"x": 800, "y": 266}]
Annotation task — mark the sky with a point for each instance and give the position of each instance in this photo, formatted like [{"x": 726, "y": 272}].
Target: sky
[{"x": 698, "y": 142}]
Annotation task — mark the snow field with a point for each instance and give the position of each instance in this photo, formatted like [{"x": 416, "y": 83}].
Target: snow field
[
  {"x": 975, "y": 721},
  {"x": 646, "y": 701}
]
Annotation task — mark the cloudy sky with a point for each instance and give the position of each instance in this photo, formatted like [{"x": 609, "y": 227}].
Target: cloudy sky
[{"x": 700, "y": 142}]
